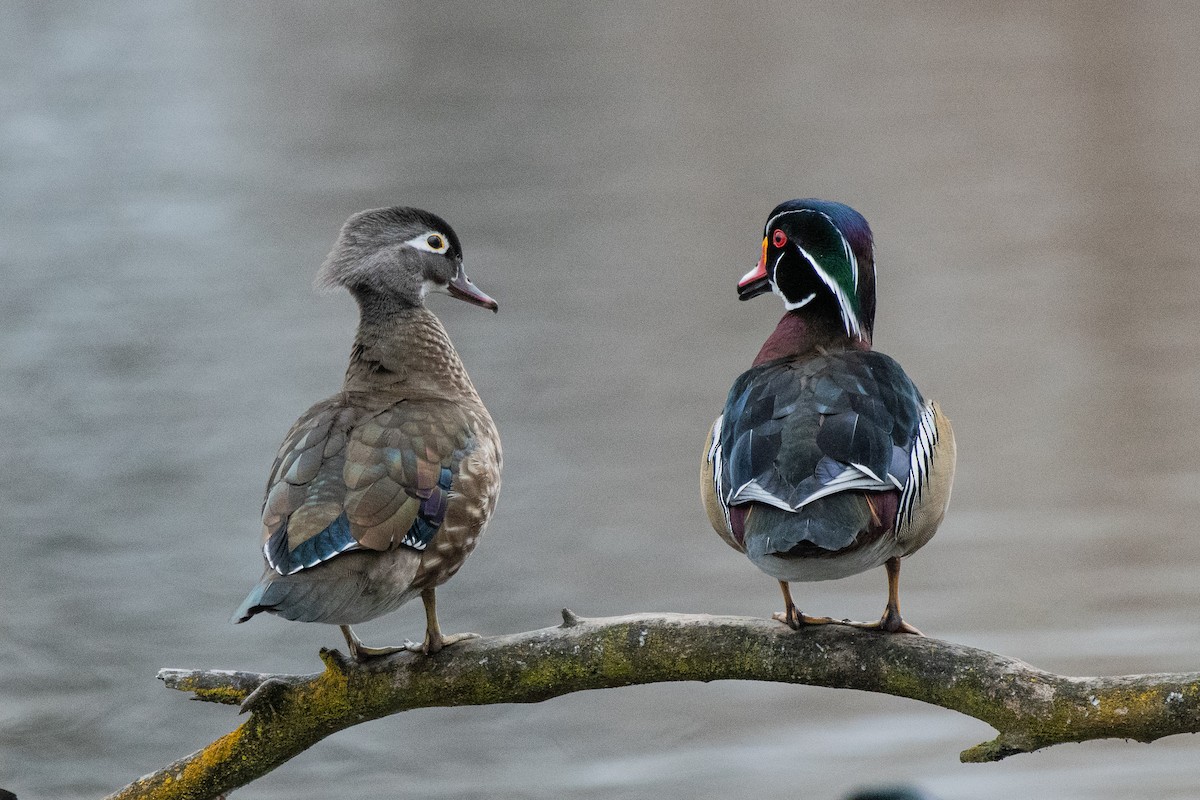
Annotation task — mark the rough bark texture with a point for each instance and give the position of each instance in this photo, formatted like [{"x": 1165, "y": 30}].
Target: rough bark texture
[{"x": 1029, "y": 708}]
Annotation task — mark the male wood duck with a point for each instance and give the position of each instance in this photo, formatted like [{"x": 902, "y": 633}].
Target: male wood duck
[
  {"x": 380, "y": 492},
  {"x": 826, "y": 461}
]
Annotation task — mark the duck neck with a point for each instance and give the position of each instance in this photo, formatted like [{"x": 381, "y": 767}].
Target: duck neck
[
  {"x": 799, "y": 334},
  {"x": 403, "y": 352},
  {"x": 376, "y": 308}
]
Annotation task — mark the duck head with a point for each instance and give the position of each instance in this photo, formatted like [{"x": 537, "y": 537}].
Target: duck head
[
  {"x": 820, "y": 258},
  {"x": 394, "y": 257}
]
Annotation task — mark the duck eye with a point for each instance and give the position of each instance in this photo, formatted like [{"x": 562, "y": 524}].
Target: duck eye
[
  {"x": 430, "y": 242},
  {"x": 778, "y": 238}
]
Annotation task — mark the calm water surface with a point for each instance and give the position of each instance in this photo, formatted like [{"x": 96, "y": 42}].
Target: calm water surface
[{"x": 171, "y": 175}]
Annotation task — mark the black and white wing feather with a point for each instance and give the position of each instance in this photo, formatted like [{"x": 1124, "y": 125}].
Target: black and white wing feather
[{"x": 792, "y": 433}]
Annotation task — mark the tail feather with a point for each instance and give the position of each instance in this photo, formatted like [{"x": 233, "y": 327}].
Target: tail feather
[
  {"x": 253, "y": 604},
  {"x": 303, "y": 599},
  {"x": 829, "y": 524}
]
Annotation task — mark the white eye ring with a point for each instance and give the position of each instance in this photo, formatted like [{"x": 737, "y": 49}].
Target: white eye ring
[{"x": 430, "y": 242}]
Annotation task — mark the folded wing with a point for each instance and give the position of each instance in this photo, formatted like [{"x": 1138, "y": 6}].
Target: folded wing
[{"x": 350, "y": 479}]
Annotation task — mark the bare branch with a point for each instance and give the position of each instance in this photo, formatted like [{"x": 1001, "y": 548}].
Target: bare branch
[{"x": 1029, "y": 708}]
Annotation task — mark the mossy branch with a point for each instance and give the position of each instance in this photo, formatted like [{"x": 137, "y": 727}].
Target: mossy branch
[{"x": 1029, "y": 708}]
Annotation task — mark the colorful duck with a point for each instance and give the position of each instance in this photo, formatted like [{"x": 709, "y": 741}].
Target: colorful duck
[{"x": 827, "y": 461}]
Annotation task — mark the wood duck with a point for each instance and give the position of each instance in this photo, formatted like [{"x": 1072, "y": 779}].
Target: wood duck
[
  {"x": 380, "y": 492},
  {"x": 826, "y": 461}
]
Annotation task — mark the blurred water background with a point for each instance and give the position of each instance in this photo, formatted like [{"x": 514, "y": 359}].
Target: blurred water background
[{"x": 172, "y": 173}]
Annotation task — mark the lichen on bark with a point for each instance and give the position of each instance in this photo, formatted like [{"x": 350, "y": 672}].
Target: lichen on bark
[{"x": 1029, "y": 708}]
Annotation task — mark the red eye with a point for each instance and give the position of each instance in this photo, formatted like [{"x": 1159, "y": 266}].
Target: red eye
[{"x": 778, "y": 238}]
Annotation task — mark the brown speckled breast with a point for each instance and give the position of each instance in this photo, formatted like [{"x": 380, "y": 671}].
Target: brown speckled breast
[{"x": 474, "y": 493}]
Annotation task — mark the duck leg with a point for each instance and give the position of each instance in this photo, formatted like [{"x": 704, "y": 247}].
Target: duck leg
[
  {"x": 791, "y": 615},
  {"x": 361, "y": 652},
  {"x": 434, "y": 639},
  {"x": 890, "y": 622}
]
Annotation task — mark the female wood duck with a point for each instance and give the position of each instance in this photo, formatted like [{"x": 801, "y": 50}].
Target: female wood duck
[
  {"x": 379, "y": 493},
  {"x": 826, "y": 461}
]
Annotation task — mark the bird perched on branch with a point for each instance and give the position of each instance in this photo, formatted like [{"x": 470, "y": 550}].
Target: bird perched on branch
[
  {"x": 826, "y": 461},
  {"x": 379, "y": 493}
]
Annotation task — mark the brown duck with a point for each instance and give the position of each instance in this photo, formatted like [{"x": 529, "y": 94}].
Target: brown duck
[{"x": 380, "y": 492}]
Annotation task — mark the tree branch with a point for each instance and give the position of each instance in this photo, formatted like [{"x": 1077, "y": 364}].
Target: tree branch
[{"x": 1029, "y": 708}]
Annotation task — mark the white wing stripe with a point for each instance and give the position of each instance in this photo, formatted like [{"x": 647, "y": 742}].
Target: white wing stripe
[
  {"x": 849, "y": 478},
  {"x": 716, "y": 458},
  {"x": 751, "y": 490},
  {"x": 920, "y": 461}
]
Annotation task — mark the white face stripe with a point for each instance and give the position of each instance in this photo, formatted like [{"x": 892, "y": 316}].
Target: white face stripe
[
  {"x": 845, "y": 243},
  {"x": 849, "y": 318},
  {"x": 849, "y": 256},
  {"x": 771, "y": 221},
  {"x": 422, "y": 242},
  {"x": 789, "y": 304}
]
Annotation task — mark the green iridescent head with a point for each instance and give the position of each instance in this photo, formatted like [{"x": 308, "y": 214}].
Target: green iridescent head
[{"x": 818, "y": 255}]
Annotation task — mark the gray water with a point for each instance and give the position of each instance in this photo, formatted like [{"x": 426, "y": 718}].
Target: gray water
[{"x": 173, "y": 173}]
